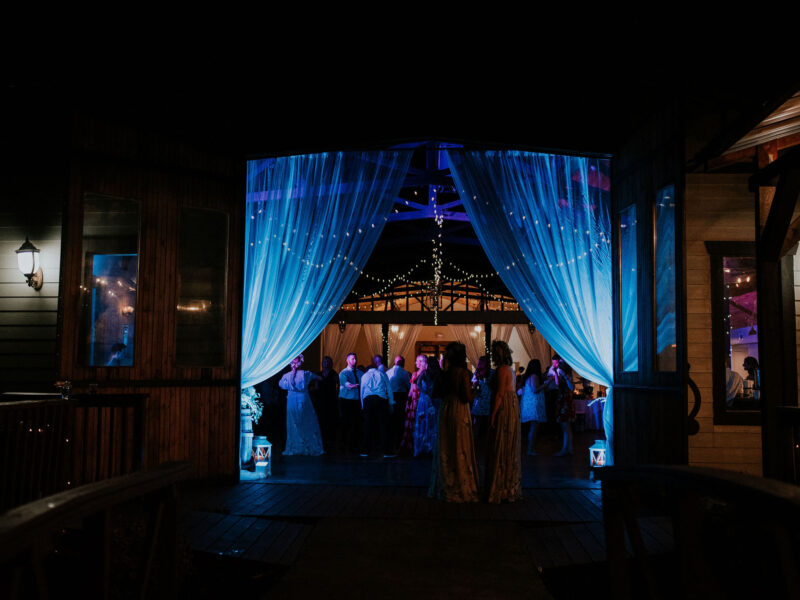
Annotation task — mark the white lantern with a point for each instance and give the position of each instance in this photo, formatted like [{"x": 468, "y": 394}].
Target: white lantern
[
  {"x": 597, "y": 454},
  {"x": 28, "y": 263},
  {"x": 262, "y": 456}
]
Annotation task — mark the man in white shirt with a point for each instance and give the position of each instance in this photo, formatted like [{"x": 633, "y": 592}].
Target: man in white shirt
[
  {"x": 376, "y": 395},
  {"x": 349, "y": 405},
  {"x": 400, "y": 382}
]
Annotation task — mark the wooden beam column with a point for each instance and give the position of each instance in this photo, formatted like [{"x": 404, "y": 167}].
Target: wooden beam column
[
  {"x": 776, "y": 314},
  {"x": 385, "y": 343}
]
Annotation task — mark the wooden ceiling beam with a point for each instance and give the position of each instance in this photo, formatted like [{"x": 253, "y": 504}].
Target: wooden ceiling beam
[{"x": 511, "y": 317}]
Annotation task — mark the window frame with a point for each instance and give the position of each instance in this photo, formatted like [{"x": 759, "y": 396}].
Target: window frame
[{"x": 717, "y": 252}]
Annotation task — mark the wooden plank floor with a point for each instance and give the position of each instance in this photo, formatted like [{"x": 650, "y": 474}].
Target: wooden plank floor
[
  {"x": 326, "y": 501},
  {"x": 270, "y": 522}
]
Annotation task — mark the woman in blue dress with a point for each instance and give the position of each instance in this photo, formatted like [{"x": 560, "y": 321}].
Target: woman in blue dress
[
  {"x": 532, "y": 403},
  {"x": 302, "y": 428},
  {"x": 426, "y": 428}
]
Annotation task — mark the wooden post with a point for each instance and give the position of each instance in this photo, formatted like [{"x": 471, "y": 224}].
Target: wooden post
[
  {"x": 487, "y": 337},
  {"x": 776, "y": 320},
  {"x": 385, "y": 343}
]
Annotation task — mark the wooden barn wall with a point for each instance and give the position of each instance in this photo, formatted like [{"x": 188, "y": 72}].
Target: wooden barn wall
[
  {"x": 650, "y": 406},
  {"x": 719, "y": 207},
  {"x": 192, "y": 412},
  {"x": 32, "y": 192}
]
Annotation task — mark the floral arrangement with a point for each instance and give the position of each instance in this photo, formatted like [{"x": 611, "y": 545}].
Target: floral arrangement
[{"x": 250, "y": 400}]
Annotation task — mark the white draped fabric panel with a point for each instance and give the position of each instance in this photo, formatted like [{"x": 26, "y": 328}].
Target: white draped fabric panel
[
  {"x": 535, "y": 345},
  {"x": 472, "y": 339},
  {"x": 338, "y": 345},
  {"x": 502, "y": 332},
  {"x": 401, "y": 342},
  {"x": 372, "y": 333}
]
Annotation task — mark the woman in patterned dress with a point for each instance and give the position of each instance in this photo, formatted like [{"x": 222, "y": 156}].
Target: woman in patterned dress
[
  {"x": 407, "y": 443},
  {"x": 504, "y": 453},
  {"x": 454, "y": 473}
]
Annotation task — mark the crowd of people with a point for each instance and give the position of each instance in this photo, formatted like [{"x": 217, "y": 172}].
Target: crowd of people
[{"x": 441, "y": 410}]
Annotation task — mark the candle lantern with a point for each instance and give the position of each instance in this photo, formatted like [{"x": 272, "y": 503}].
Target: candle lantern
[
  {"x": 262, "y": 456},
  {"x": 597, "y": 454}
]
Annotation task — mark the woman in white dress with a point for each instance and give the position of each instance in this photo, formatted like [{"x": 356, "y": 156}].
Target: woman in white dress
[
  {"x": 302, "y": 428},
  {"x": 532, "y": 404}
]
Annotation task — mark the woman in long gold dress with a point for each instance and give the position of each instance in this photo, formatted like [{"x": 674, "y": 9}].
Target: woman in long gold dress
[
  {"x": 454, "y": 473},
  {"x": 504, "y": 453}
]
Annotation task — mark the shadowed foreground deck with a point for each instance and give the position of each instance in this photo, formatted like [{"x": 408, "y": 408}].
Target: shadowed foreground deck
[{"x": 369, "y": 536}]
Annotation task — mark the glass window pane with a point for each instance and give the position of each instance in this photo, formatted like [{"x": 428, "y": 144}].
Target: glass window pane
[
  {"x": 665, "y": 307},
  {"x": 110, "y": 264},
  {"x": 740, "y": 311},
  {"x": 202, "y": 267},
  {"x": 628, "y": 298}
]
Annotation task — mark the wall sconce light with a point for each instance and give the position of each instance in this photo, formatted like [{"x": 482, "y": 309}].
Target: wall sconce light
[
  {"x": 531, "y": 328},
  {"x": 28, "y": 262},
  {"x": 342, "y": 326}
]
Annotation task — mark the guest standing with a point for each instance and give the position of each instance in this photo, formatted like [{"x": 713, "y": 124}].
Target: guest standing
[
  {"x": 377, "y": 361},
  {"x": 400, "y": 380},
  {"x": 504, "y": 454},
  {"x": 349, "y": 405},
  {"x": 376, "y": 393},
  {"x": 407, "y": 443},
  {"x": 552, "y": 393},
  {"x": 532, "y": 403},
  {"x": 302, "y": 428},
  {"x": 425, "y": 428},
  {"x": 566, "y": 407},
  {"x": 325, "y": 395},
  {"x": 454, "y": 474},
  {"x": 483, "y": 400}
]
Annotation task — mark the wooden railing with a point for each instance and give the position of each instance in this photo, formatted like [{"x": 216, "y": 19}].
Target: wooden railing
[
  {"x": 61, "y": 545},
  {"x": 48, "y": 444},
  {"x": 735, "y": 535},
  {"x": 789, "y": 420}
]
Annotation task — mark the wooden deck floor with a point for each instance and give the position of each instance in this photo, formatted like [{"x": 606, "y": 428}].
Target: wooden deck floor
[{"x": 271, "y": 522}]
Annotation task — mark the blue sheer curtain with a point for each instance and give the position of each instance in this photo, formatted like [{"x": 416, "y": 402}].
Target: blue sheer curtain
[
  {"x": 312, "y": 222},
  {"x": 543, "y": 220},
  {"x": 666, "y": 295},
  {"x": 628, "y": 294}
]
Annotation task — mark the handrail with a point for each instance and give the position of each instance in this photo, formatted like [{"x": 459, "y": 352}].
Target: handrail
[
  {"x": 699, "y": 480},
  {"x": 694, "y": 498},
  {"x": 22, "y": 526},
  {"x": 30, "y": 536},
  {"x": 49, "y": 443}
]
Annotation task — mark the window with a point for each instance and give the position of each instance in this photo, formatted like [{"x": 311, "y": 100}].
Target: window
[
  {"x": 202, "y": 270},
  {"x": 110, "y": 273},
  {"x": 734, "y": 331}
]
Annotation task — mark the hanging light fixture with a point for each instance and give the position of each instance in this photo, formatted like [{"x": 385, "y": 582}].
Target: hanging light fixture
[{"x": 28, "y": 262}]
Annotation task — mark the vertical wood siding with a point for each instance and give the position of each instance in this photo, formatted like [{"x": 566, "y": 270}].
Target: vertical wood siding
[
  {"x": 192, "y": 412},
  {"x": 718, "y": 208}
]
